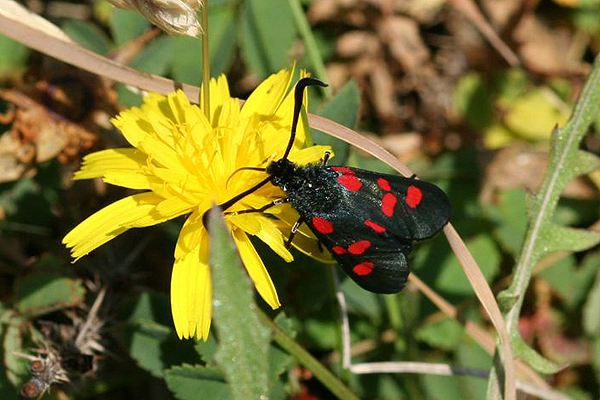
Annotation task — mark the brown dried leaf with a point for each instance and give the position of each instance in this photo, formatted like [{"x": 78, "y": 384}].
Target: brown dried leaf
[
  {"x": 404, "y": 41},
  {"x": 522, "y": 165},
  {"x": 357, "y": 44},
  {"x": 37, "y": 135},
  {"x": 545, "y": 50}
]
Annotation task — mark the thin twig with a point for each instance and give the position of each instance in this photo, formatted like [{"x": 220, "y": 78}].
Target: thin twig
[{"x": 470, "y": 10}]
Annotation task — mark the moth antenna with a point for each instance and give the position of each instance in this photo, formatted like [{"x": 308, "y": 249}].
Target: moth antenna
[
  {"x": 298, "y": 95},
  {"x": 243, "y": 169}
]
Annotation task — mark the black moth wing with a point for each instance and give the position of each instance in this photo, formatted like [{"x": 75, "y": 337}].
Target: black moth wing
[
  {"x": 408, "y": 208},
  {"x": 376, "y": 261},
  {"x": 375, "y": 218}
]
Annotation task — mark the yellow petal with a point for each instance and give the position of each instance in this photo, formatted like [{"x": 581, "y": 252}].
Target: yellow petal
[
  {"x": 256, "y": 269},
  {"x": 99, "y": 163},
  {"x": 219, "y": 95},
  {"x": 310, "y": 154},
  {"x": 132, "y": 126},
  {"x": 246, "y": 222},
  {"x": 190, "y": 235},
  {"x": 111, "y": 221},
  {"x": 273, "y": 238},
  {"x": 267, "y": 97},
  {"x": 172, "y": 207},
  {"x": 129, "y": 179},
  {"x": 191, "y": 293},
  {"x": 160, "y": 152}
]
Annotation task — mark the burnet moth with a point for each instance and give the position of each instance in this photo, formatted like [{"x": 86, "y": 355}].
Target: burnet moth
[{"x": 367, "y": 220}]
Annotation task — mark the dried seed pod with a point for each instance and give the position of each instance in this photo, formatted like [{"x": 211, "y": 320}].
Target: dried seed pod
[
  {"x": 34, "y": 387},
  {"x": 37, "y": 366},
  {"x": 172, "y": 16}
]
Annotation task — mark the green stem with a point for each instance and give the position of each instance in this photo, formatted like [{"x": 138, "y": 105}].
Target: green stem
[
  {"x": 563, "y": 152},
  {"x": 319, "y": 371},
  {"x": 309, "y": 41},
  {"x": 205, "y": 61}
]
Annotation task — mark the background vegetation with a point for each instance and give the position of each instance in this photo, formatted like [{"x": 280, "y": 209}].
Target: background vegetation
[{"x": 468, "y": 110}]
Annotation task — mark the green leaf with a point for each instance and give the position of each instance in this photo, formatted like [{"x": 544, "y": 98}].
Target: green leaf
[
  {"x": 16, "y": 367},
  {"x": 7, "y": 390},
  {"x": 435, "y": 385},
  {"x": 532, "y": 115},
  {"x": 243, "y": 340},
  {"x": 207, "y": 349},
  {"x": 361, "y": 301},
  {"x": 470, "y": 354},
  {"x": 268, "y": 32},
  {"x": 88, "y": 35},
  {"x": 585, "y": 162},
  {"x": 145, "y": 346},
  {"x": 557, "y": 237},
  {"x": 445, "y": 334},
  {"x": 150, "y": 337},
  {"x": 472, "y": 101},
  {"x": 46, "y": 291},
  {"x": 127, "y": 98},
  {"x": 533, "y": 358},
  {"x": 279, "y": 359},
  {"x": 512, "y": 221},
  {"x": 452, "y": 279},
  {"x": 579, "y": 278},
  {"x": 223, "y": 22},
  {"x": 127, "y": 25},
  {"x": 13, "y": 56},
  {"x": 155, "y": 57},
  {"x": 506, "y": 300},
  {"x": 591, "y": 310},
  {"x": 596, "y": 357},
  {"x": 321, "y": 333},
  {"x": 341, "y": 108},
  {"x": 187, "y": 65},
  {"x": 191, "y": 382}
]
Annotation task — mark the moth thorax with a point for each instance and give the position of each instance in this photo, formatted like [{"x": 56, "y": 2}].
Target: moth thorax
[{"x": 282, "y": 172}]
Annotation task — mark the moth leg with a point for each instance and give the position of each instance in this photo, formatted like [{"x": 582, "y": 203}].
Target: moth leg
[
  {"x": 288, "y": 242},
  {"x": 326, "y": 158},
  {"x": 274, "y": 203}
]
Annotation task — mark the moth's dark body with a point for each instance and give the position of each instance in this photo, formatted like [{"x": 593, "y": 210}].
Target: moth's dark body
[
  {"x": 320, "y": 194},
  {"x": 309, "y": 188},
  {"x": 367, "y": 220}
]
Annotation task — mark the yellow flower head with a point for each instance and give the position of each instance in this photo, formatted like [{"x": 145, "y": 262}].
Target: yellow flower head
[{"x": 183, "y": 162}]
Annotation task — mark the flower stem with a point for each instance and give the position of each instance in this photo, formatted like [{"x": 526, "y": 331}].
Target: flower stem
[
  {"x": 309, "y": 41},
  {"x": 319, "y": 371},
  {"x": 205, "y": 61}
]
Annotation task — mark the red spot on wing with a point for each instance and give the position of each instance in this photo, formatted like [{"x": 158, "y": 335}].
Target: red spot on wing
[
  {"x": 413, "y": 196},
  {"x": 359, "y": 247},
  {"x": 322, "y": 225},
  {"x": 388, "y": 203},
  {"x": 350, "y": 182},
  {"x": 344, "y": 170},
  {"x": 375, "y": 226},
  {"x": 364, "y": 268},
  {"x": 384, "y": 184},
  {"x": 338, "y": 250}
]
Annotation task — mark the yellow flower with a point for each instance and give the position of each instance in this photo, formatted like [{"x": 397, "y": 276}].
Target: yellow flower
[{"x": 183, "y": 162}]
